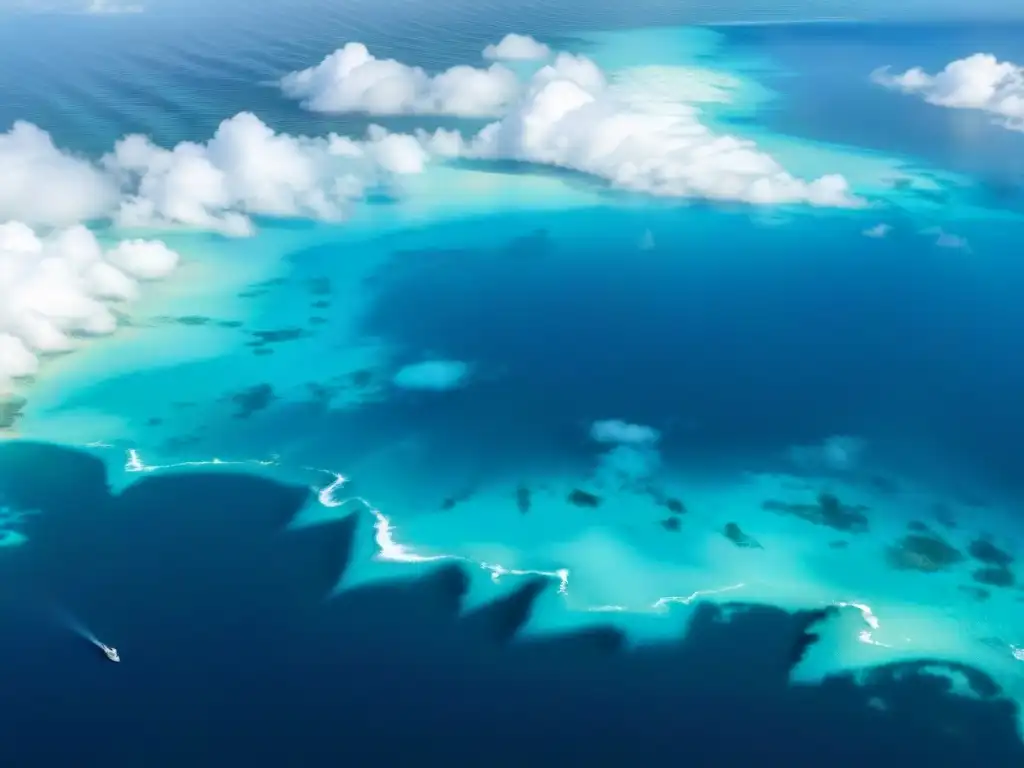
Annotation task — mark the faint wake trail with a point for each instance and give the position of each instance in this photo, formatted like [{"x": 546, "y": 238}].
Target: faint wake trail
[{"x": 67, "y": 619}]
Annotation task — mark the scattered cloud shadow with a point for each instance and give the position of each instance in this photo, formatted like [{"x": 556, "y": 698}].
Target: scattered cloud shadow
[{"x": 232, "y": 648}]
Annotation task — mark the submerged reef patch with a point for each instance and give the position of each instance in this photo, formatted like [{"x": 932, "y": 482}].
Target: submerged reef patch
[
  {"x": 997, "y": 562},
  {"x": 253, "y": 400},
  {"x": 927, "y": 553},
  {"x": 278, "y": 336},
  {"x": 994, "y": 577},
  {"x": 524, "y": 499},
  {"x": 451, "y": 502},
  {"x": 984, "y": 551},
  {"x": 828, "y": 511},
  {"x": 262, "y": 288},
  {"x": 674, "y": 505},
  {"x": 323, "y": 393},
  {"x": 580, "y": 498},
  {"x": 261, "y": 339},
  {"x": 735, "y": 534},
  {"x": 11, "y": 409},
  {"x": 980, "y": 594}
]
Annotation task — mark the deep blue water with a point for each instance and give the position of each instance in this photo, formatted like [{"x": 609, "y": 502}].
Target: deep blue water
[
  {"x": 230, "y": 652},
  {"x": 832, "y": 98},
  {"x": 753, "y": 338}
]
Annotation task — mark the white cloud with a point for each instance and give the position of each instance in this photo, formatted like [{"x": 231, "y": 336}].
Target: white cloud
[
  {"x": 618, "y": 431},
  {"x": 41, "y": 184},
  {"x": 352, "y": 80},
  {"x": 143, "y": 259},
  {"x": 248, "y": 169},
  {"x": 57, "y": 288},
  {"x": 878, "y": 231},
  {"x": 515, "y": 47},
  {"x": 245, "y": 170},
  {"x": 566, "y": 115},
  {"x": 435, "y": 375},
  {"x": 979, "y": 82},
  {"x": 572, "y": 117}
]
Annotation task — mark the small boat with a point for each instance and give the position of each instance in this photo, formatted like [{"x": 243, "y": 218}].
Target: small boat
[{"x": 109, "y": 652}]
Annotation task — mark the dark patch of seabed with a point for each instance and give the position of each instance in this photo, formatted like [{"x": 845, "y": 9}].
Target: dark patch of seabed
[{"x": 225, "y": 627}]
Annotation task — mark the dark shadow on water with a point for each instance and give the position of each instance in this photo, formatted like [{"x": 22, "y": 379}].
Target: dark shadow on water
[{"x": 231, "y": 652}]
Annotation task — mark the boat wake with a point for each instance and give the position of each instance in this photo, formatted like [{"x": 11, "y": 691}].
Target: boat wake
[{"x": 76, "y": 626}]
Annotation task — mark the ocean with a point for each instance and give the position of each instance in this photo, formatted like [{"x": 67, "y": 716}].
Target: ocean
[{"x": 514, "y": 467}]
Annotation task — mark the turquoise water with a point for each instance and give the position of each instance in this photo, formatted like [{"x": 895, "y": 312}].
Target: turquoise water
[{"x": 837, "y": 414}]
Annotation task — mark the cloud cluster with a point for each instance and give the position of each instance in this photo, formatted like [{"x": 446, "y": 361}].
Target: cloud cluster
[
  {"x": 353, "y": 80},
  {"x": 246, "y": 169},
  {"x": 629, "y": 131},
  {"x": 513, "y": 47},
  {"x": 42, "y": 184},
  {"x": 570, "y": 116},
  {"x": 59, "y": 288},
  {"x": 433, "y": 375},
  {"x": 980, "y": 82}
]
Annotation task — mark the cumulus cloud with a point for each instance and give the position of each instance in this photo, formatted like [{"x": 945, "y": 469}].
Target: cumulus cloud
[
  {"x": 246, "y": 169},
  {"x": 61, "y": 287},
  {"x": 629, "y": 131},
  {"x": 353, "y": 80},
  {"x": 567, "y": 114},
  {"x": 636, "y": 138},
  {"x": 434, "y": 375},
  {"x": 44, "y": 185},
  {"x": 979, "y": 82},
  {"x": 878, "y": 231},
  {"x": 515, "y": 47},
  {"x": 618, "y": 431}
]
